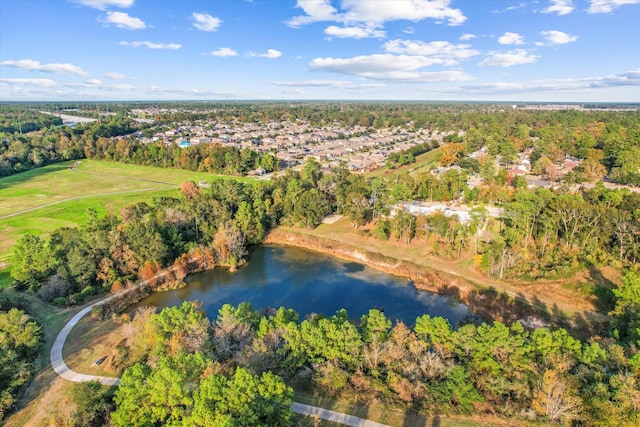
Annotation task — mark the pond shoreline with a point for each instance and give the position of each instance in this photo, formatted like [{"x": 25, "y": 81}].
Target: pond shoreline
[{"x": 484, "y": 301}]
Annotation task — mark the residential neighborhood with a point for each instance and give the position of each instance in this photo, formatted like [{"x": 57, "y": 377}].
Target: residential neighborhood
[{"x": 293, "y": 142}]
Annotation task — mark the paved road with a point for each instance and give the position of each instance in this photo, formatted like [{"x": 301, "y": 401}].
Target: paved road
[{"x": 61, "y": 368}]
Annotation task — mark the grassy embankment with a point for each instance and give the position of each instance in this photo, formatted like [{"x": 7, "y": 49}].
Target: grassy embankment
[
  {"x": 424, "y": 162},
  {"x": 42, "y": 200}
]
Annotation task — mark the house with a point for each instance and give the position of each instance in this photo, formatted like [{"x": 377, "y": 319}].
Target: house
[
  {"x": 419, "y": 208},
  {"x": 258, "y": 172}
]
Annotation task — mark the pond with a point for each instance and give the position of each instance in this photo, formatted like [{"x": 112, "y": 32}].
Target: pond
[{"x": 309, "y": 282}]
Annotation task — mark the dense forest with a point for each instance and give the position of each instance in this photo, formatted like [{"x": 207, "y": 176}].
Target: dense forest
[
  {"x": 178, "y": 367},
  {"x": 430, "y": 366}
]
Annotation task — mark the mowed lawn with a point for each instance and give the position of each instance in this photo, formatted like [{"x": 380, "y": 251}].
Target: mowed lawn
[{"x": 54, "y": 196}]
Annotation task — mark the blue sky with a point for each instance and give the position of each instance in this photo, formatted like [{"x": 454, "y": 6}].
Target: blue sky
[{"x": 484, "y": 50}]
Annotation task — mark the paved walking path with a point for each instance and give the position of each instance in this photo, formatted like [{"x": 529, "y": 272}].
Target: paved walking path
[
  {"x": 336, "y": 417},
  {"x": 61, "y": 368},
  {"x": 57, "y": 360}
]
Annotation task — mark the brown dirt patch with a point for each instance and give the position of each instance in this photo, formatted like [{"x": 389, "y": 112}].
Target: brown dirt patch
[{"x": 89, "y": 341}]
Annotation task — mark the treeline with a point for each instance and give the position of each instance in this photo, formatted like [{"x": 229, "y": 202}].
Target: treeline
[
  {"x": 51, "y": 142},
  {"x": 540, "y": 233},
  {"x": 25, "y": 121},
  {"x": 608, "y": 141},
  {"x": 543, "y": 375},
  {"x": 215, "y": 158},
  {"x": 20, "y": 342},
  {"x": 548, "y": 234}
]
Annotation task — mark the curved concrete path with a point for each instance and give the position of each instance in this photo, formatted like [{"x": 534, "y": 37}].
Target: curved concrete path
[
  {"x": 61, "y": 368},
  {"x": 57, "y": 361}
]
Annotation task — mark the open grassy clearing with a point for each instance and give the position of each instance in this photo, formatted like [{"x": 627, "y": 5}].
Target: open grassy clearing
[
  {"x": 72, "y": 213},
  {"x": 172, "y": 176},
  {"x": 54, "y": 185},
  {"x": 424, "y": 162},
  {"x": 54, "y": 196},
  {"x": 57, "y": 183}
]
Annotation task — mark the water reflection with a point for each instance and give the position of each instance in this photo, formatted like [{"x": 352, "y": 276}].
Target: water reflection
[{"x": 309, "y": 282}]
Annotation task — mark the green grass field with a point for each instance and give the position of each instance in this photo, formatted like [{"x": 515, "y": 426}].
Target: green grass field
[
  {"x": 424, "y": 162},
  {"x": 41, "y": 200}
]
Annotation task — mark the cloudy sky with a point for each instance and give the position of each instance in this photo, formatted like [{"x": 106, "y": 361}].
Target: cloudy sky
[{"x": 502, "y": 50}]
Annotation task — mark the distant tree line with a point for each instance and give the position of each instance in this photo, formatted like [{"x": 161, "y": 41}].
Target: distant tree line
[
  {"x": 24, "y": 121},
  {"x": 49, "y": 142},
  {"x": 608, "y": 141},
  {"x": 214, "y": 158}
]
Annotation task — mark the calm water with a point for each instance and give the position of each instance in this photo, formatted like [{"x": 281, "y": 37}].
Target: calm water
[{"x": 309, "y": 282}]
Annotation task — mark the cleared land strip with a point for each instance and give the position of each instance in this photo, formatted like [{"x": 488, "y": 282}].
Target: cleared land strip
[{"x": 61, "y": 368}]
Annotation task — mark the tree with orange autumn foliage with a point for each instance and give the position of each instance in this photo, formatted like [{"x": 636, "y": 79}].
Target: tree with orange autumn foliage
[
  {"x": 450, "y": 153},
  {"x": 149, "y": 271}
]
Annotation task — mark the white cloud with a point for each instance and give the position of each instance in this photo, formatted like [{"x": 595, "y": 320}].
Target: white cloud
[
  {"x": 376, "y": 12},
  {"x": 105, "y": 4},
  {"x": 409, "y": 30},
  {"x": 336, "y": 84},
  {"x": 520, "y": 5},
  {"x": 558, "y": 37},
  {"x": 606, "y": 6},
  {"x": 467, "y": 36},
  {"x": 30, "y": 82},
  {"x": 152, "y": 45},
  {"x": 354, "y": 32},
  {"x": 224, "y": 51},
  {"x": 32, "y": 65},
  {"x": 187, "y": 93},
  {"x": 448, "y": 52},
  {"x": 561, "y": 7},
  {"x": 271, "y": 54},
  {"x": 316, "y": 11},
  {"x": 400, "y": 68},
  {"x": 123, "y": 20},
  {"x": 115, "y": 76},
  {"x": 511, "y": 38},
  {"x": 508, "y": 59},
  {"x": 293, "y": 91},
  {"x": 126, "y": 87},
  {"x": 631, "y": 78},
  {"x": 206, "y": 22}
]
